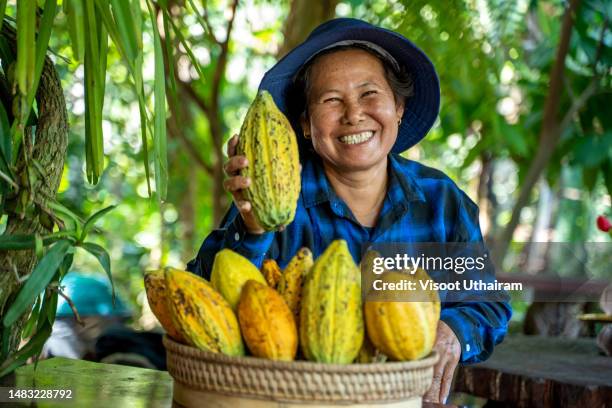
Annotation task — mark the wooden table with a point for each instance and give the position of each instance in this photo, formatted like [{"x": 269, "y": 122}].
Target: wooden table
[
  {"x": 541, "y": 371},
  {"x": 100, "y": 385}
]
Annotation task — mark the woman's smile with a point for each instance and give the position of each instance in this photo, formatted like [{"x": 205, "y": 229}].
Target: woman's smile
[{"x": 357, "y": 138}]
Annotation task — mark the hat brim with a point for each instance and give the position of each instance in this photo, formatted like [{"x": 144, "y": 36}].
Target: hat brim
[{"x": 421, "y": 109}]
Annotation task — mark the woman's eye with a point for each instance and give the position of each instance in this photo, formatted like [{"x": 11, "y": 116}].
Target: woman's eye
[
  {"x": 333, "y": 99},
  {"x": 369, "y": 93}
]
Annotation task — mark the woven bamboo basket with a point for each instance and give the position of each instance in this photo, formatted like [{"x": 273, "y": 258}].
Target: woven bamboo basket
[{"x": 216, "y": 380}]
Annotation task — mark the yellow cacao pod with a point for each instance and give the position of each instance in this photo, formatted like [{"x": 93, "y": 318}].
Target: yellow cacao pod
[
  {"x": 270, "y": 145},
  {"x": 290, "y": 284},
  {"x": 155, "y": 286},
  {"x": 266, "y": 322},
  {"x": 403, "y": 330},
  {"x": 230, "y": 272},
  {"x": 203, "y": 316},
  {"x": 331, "y": 319},
  {"x": 271, "y": 272}
]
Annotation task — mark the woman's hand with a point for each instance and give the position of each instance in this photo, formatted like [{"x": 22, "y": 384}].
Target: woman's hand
[
  {"x": 235, "y": 183},
  {"x": 448, "y": 347}
]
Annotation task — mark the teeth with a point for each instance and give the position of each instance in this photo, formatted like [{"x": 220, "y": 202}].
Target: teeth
[{"x": 357, "y": 138}]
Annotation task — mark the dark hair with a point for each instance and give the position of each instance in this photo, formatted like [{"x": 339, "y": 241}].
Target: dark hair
[{"x": 400, "y": 81}]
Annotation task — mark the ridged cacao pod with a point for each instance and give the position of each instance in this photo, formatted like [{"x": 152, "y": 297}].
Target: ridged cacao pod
[
  {"x": 270, "y": 145},
  {"x": 271, "y": 272},
  {"x": 202, "y": 315},
  {"x": 290, "y": 284},
  {"x": 230, "y": 272},
  {"x": 403, "y": 330},
  {"x": 331, "y": 319},
  {"x": 266, "y": 322},
  {"x": 155, "y": 286}
]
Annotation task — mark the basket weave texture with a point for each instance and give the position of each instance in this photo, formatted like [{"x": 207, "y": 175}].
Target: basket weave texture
[{"x": 298, "y": 381}]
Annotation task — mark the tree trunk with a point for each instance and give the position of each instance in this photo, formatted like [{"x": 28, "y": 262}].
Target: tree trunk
[
  {"x": 549, "y": 134},
  {"x": 49, "y": 151},
  {"x": 303, "y": 17},
  {"x": 484, "y": 194}
]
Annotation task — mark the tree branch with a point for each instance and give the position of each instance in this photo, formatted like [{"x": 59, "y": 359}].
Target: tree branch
[
  {"x": 220, "y": 68},
  {"x": 579, "y": 102},
  {"x": 188, "y": 88},
  {"x": 549, "y": 134},
  {"x": 191, "y": 149},
  {"x": 205, "y": 22},
  {"x": 70, "y": 303}
]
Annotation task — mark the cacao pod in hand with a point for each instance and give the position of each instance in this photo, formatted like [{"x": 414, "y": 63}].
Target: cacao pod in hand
[{"x": 269, "y": 143}]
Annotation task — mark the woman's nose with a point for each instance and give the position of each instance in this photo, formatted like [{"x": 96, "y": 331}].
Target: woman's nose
[{"x": 353, "y": 113}]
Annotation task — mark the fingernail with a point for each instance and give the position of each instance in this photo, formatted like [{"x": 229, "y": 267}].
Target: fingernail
[
  {"x": 244, "y": 161},
  {"x": 247, "y": 182}
]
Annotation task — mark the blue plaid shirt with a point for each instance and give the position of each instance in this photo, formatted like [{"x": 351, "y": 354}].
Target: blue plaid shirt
[{"x": 422, "y": 205}]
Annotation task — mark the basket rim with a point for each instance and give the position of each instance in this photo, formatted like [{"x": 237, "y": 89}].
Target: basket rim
[{"x": 174, "y": 347}]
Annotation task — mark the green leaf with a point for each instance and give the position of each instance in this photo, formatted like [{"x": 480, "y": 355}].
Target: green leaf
[
  {"x": 32, "y": 348},
  {"x": 76, "y": 26},
  {"x": 48, "y": 307},
  {"x": 42, "y": 43},
  {"x": 593, "y": 149},
  {"x": 38, "y": 245},
  {"x": 169, "y": 55},
  {"x": 589, "y": 177},
  {"x": 125, "y": 26},
  {"x": 89, "y": 224},
  {"x": 606, "y": 169},
  {"x": 16, "y": 242},
  {"x": 37, "y": 282},
  {"x": 65, "y": 266},
  {"x": 64, "y": 211},
  {"x": 5, "y": 144},
  {"x": 104, "y": 259},
  {"x": 2, "y": 11},
  {"x": 31, "y": 323},
  {"x": 95, "y": 37},
  {"x": 159, "y": 135},
  {"x": 26, "y": 46}
]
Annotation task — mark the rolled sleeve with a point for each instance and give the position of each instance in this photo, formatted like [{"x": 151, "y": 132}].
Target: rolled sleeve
[{"x": 251, "y": 246}]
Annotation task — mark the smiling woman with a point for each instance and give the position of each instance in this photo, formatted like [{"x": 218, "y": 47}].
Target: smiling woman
[{"x": 358, "y": 95}]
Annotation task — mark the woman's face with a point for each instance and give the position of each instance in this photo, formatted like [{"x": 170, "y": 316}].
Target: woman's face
[{"x": 353, "y": 117}]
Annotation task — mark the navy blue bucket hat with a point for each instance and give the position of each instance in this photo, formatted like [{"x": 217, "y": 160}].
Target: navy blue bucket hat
[{"x": 421, "y": 109}]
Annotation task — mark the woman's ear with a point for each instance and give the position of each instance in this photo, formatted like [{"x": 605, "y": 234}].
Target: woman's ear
[
  {"x": 399, "y": 109},
  {"x": 305, "y": 124}
]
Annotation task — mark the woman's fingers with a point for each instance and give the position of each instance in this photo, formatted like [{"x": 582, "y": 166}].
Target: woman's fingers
[
  {"x": 231, "y": 146},
  {"x": 235, "y": 164},
  {"x": 433, "y": 394},
  {"x": 236, "y": 183},
  {"x": 447, "y": 380},
  {"x": 244, "y": 206}
]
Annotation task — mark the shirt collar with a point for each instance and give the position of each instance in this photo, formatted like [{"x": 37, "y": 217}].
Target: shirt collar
[{"x": 403, "y": 187}]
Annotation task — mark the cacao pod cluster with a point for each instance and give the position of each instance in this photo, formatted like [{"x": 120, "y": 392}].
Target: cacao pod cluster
[{"x": 312, "y": 306}]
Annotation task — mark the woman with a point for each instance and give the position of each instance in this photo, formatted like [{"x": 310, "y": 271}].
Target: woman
[{"x": 357, "y": 96}]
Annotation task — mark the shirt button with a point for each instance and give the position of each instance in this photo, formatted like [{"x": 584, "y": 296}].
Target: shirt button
[
  {"x": 467, "y": 347},
  {"x": 237, "y": 236}
]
